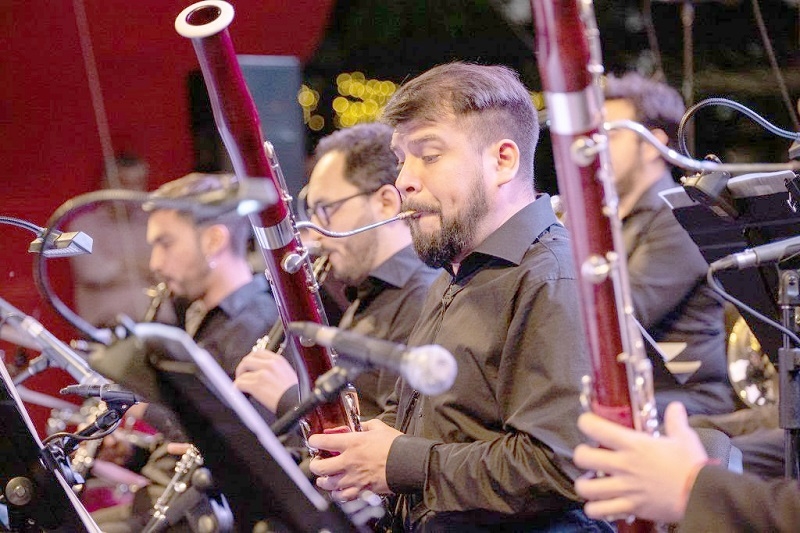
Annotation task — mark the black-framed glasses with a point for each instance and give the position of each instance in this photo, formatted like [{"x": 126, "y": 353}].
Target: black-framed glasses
[{"x": 325, "y": 211}]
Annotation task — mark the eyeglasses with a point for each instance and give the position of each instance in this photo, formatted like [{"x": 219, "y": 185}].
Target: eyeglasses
[{"x": 325, "y": 211}]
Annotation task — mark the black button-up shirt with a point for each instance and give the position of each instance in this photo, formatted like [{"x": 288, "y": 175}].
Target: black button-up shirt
[{"x": 496, "y": 447}]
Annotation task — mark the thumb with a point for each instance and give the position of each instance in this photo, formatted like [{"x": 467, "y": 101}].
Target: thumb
[{"x": 676, "y": 421}]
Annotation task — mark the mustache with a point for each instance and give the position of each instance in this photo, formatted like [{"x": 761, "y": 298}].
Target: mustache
[{"x": 419, "y": 207}]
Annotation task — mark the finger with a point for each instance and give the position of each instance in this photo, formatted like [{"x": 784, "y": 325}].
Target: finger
[
  {"x": 345, "y": 495},
  {"x": 329, "y": 467},
  {"x": 329, "y": 483},
  {"x": 608, "y": 434},
  {"x": 178, "y": 448},
  {"x": 597, "y": 459},
  {"x": 601, "y": 488},
  {"x": 334, "y": 442},
  {"x": 676, "y": 421},
  {"x": 609, "y": 509}
]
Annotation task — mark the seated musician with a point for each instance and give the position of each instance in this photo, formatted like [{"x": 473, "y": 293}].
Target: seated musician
[
  {"x": 205, "y": 263},
  {"x": 493, "y": 453},
  {"x": 667, "y": 273},
  {"x": 351, "y": 186}
]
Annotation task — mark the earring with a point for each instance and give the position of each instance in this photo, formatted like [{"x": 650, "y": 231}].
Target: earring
[{"x": 211, "y": 263}]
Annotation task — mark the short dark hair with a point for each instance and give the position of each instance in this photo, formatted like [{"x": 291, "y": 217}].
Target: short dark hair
[
  {"x": 369, "y": 162},
  {"x": 198, "y": 183},
  {"x": 491, "y": 97},
  {"x": 656, "y": 104}
]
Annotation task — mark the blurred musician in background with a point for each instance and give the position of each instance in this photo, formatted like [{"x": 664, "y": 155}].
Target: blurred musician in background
[
  {"x": 352, "y": 185},
  {"x": 114, "y": 278},
  {"x": 669, "y": 479},
  {"x": 667, "y": 271},
  {"x": 493, "y": 453},
  {"x": 226, "y": 310}
]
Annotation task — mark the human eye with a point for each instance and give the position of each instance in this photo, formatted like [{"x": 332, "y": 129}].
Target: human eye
[
  {"x": 430, "y": 158},
  {"x": 400, "y": 165}
]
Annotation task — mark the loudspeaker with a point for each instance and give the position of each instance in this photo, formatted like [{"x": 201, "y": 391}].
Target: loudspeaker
[{"x": 274, "y": 82}]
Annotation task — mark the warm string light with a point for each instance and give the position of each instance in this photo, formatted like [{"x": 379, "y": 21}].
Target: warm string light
[{"x": 359, "y": 100}]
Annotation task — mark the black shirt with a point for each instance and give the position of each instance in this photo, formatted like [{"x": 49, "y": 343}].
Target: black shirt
[
  {"x": 496, "y": 448},
  {"x": 387, "y": 305},
  {"x": 674, "y": 303}
]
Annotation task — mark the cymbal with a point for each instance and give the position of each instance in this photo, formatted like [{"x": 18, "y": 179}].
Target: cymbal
[{"x": 9, "y": 334}]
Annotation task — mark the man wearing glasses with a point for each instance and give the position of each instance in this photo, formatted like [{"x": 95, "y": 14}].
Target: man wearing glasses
[{"x": 352, "y": 185}]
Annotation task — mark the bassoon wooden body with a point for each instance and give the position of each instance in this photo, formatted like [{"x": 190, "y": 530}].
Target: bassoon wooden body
[
  {"x": 567, "y": 52},
  {"x": 289, "y": 268}
]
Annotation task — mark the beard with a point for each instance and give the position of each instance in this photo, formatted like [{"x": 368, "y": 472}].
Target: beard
[
  {"x": 357, "y": 256},
  {"x": 456, "y": 233}
]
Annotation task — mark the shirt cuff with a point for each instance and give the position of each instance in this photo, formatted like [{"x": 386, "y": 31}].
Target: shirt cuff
[
  {"x": 288, "y": 401},
  {"x": 407, "y": 464}
]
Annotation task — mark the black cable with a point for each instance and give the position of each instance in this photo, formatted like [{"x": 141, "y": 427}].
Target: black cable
[
  {"x": 80, "y": 438},
  {"x": 734, "y": 105},
  {"x": 72, "y": 207},
  {"x": 714, "y": 284}
]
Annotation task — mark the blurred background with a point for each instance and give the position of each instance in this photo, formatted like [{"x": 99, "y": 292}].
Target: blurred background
[{"x": 86, "y": 80}]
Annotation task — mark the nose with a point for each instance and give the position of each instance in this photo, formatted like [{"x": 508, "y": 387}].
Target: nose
[
  {"x": 407, "y": 181},
  {"x": 155, "y": 262}
]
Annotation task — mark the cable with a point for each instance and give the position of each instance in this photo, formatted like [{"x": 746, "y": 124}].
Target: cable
[
  {"x": 738, "y": 107},
  {"x": 714, "y": 284}
]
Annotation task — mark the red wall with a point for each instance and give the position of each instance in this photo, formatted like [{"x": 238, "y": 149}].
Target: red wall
[{"x": 50, "y": 147}]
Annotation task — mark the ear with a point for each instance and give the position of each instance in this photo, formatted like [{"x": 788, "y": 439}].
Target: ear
[
  {"x": 214, "y": 239},
  {"x": 387, "y": 201},
  {"x": 649, "y": 152},
  {"x": 504, "y": 157}
]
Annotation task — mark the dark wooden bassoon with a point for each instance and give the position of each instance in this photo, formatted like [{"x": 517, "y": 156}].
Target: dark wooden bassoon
[
  {"x": 289, "y": 268},
  {"x": 568, "y": 55}
]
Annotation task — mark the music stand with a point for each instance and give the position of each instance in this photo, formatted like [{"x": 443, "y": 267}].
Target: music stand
[
  {"x": 249, "y": 465},
  {"x": 763, "y": 212},
  {"x": 36, "y": 494}
]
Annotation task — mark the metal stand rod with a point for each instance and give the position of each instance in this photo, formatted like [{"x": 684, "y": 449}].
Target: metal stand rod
[{"x": 789, "y": 374}]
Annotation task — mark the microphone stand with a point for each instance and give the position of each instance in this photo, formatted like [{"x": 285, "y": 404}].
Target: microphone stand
[
  {"x": 789, "y": 373},
  {"x": 326, "y": 388}
]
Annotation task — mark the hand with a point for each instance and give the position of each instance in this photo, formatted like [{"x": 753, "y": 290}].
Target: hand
[
  {"x": 266, "y": 376},
  {"x": 360, "y": 463},
  {"x": 649, "y": 477}
]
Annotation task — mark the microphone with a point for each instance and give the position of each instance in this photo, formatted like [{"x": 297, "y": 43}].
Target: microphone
[
  {"x": 56, "y": 352},
  {"x": 430, "y": 369},
  {"x": 109, "y": 393},
  {"x": 758, "y": 255}
]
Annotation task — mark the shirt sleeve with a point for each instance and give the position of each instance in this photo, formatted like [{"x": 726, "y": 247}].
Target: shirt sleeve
[
  {"x": 722, "y": 500},
  {"x": 523, "y": 467}
]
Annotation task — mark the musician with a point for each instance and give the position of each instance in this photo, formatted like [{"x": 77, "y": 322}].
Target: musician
[
  {"x": 667, "y": 272},
  {"x": 113, "y": 278},
  {"x": 351, "y": 186},
  {"x": 669, "y": 479},
  {"x": 226, "y": 309},
  {"x": 493, "y": 453}
]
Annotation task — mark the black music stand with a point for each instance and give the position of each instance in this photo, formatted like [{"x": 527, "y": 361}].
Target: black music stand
[
  {"x": 759, "y": 209},
  {"x": 259, "y": 478},
  {"x": 36, "y": 495}
]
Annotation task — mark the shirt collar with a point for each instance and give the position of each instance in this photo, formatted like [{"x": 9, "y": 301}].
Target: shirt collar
[
  {"x": 395, "y": 272},
  {"x": 511, "y": 240},
  {"x": 241, "y": 297},
  {"x": 650, "y": 200}
]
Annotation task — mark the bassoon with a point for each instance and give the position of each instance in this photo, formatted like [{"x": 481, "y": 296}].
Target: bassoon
[
  {"x": 568, "y": 56},
  {"x": 289, "y": 268}
]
